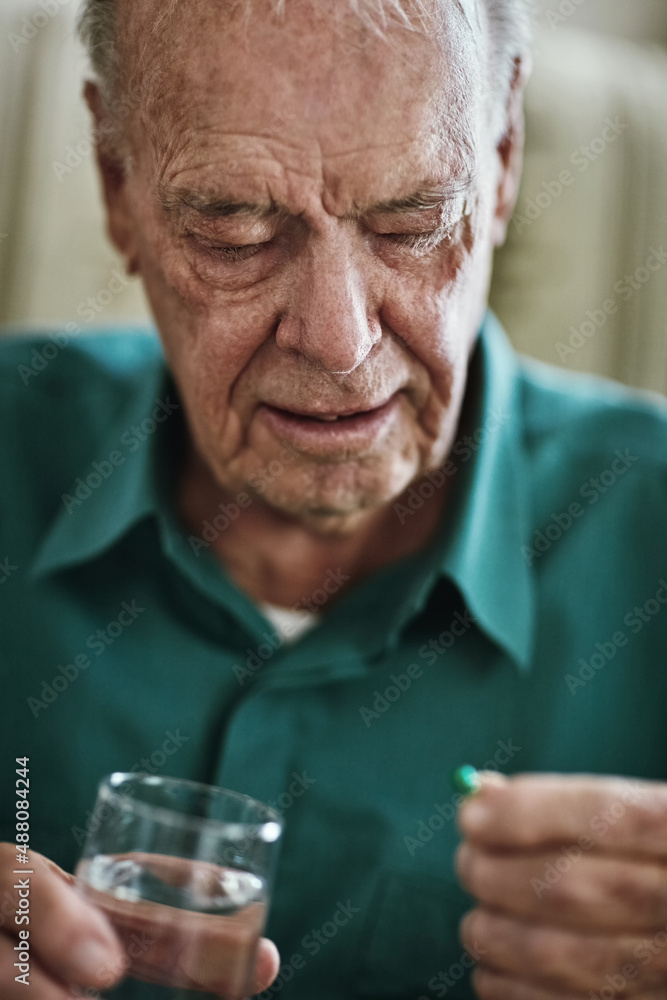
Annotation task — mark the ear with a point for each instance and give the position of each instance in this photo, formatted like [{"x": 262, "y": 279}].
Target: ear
[
  {"x": 114, "y": 178},
  {"x": 510, "y": 152}
]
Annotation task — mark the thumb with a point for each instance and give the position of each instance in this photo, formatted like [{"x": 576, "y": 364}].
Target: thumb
[{"x": 267, "y": 965}]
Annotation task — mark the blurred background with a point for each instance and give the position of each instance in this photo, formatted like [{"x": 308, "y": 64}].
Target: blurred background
[{"x": 581, "y": 282}]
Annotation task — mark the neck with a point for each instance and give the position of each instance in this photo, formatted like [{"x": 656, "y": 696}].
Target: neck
[{"x": 282, "y": 560}]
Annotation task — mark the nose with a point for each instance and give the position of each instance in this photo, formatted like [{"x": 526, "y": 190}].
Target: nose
[{"x": 329, "y": 320}]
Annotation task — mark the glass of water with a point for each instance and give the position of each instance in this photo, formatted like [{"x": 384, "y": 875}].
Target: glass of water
[{"x": 183, "y": 871}]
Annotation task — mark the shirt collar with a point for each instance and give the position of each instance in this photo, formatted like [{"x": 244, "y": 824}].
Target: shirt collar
[
  {"x": 107, "y": 499},
  {"x": 488, "y": 520}
]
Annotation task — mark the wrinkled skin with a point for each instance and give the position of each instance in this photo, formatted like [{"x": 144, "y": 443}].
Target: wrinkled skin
[
  {"x": 335, "y": 302},
  {"x": 570, "y": 872}
]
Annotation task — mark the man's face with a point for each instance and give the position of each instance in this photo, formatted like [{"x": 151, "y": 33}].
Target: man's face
[{"x": 312, "y": 211}]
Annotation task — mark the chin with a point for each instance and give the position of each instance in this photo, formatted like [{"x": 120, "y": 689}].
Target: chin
[{"x": 327, "y": 494}]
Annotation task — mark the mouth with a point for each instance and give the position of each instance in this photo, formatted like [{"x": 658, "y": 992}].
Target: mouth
[
  {"x": 330, "y": 417},
  {"x": 322, "y": 431}
]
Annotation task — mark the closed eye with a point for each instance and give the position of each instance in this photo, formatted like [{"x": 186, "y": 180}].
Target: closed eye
[
  {"x": 234, "y": 254},
  {"x": 227, "y": 252},
  {"x": 419, "y": 242}
]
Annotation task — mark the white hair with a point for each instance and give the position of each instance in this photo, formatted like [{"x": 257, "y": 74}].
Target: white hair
[{"x": 509, "y": 35}]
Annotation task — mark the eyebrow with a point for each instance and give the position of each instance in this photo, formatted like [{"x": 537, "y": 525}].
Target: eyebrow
[
  {"x": 173, "y": 200},
  {"x": 424, "y": 199}
]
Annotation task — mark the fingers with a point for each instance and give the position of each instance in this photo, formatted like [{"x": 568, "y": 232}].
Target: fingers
[
  {"x": 69, "y": 939},
  {"x": 606, "y": 813},
  {"x": 596, "y": 892},
  {"x": 571, "y": 874},
  {"x": 267, "y": 965},
  {"x": 490, "y": 985},
  {"x": 222, "y": 952},
  {"x": 72, "y": 944},
  {"x": 563, "y": 961},
  {"x": 39, "y": 984}
]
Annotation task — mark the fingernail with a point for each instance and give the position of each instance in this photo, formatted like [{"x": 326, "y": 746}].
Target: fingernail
[
  {"x": 494, "y": 778},
  {"x": 473, "y": 816},
  {"x": 95, "y": 960}
]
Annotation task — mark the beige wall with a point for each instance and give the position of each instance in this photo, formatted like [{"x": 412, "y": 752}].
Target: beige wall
[
  {"x": 641, "y": 20},
  {"x": 572, "y": 247}
]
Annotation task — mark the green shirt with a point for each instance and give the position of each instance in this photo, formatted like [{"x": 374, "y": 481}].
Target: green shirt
[{"x": 530, "y": 635}]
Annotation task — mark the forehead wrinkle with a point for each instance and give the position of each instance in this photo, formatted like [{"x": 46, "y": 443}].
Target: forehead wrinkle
[
  {"x": 425, "y": 199},
  {"x": 156, "y": 56},
  {"x": 453, "y": 128}
]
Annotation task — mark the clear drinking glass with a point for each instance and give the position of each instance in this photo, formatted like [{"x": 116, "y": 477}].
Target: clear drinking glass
[{"x": 183, "y": 871}]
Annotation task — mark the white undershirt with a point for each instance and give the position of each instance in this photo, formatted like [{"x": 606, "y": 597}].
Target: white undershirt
[{"x": 290, "y": 623}]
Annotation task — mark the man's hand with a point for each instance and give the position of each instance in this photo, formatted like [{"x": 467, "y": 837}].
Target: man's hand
[
  {"x": 72, "y": 944},
  {"x": 571, "y": 877}
]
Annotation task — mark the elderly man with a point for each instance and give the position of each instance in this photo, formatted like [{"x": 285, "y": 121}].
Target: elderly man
[{"x": 337, "y": 539}]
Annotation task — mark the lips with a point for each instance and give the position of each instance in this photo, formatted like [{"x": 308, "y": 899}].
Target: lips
[
  {"x": 321, "y": 432},
  {"x": 329, "y": 416}
]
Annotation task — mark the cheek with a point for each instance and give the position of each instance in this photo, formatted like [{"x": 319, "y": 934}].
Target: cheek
[
  {"x": 209, "y": 367},
  {"x": 437, "y": 310},
  {"x": 431, "y": 323},
  {"x": 209, "y": 336},
  {"x": 208, "y": 342},
  {"x": 437, "y": 316}
]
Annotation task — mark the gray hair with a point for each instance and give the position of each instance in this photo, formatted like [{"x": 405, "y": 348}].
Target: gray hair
[{"x": 509, "y": 30}]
